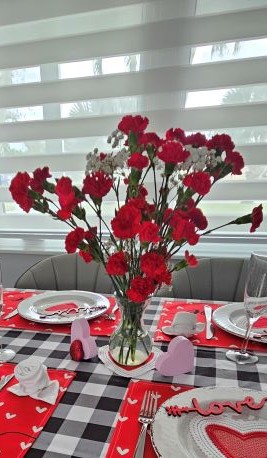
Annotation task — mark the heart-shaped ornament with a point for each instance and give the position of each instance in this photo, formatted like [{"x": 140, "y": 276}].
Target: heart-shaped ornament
[{"x": 179, "y": 358}]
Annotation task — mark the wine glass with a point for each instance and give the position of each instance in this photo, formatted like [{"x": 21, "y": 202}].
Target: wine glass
[
  {"x": 255, "y": 303},
  {"x": 5, "y": 353}
]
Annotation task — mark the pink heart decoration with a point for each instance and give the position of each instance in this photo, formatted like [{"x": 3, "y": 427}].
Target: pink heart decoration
[
  {"x": 80, "y": 330},
  {"x": 179, "y": 358},
  {"x": 234, "y": 444}
]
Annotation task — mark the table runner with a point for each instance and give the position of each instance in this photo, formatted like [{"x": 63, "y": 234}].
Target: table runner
[
  {"x": 127, "y": 428},
  {"x": 23, "y": 418},
  {"x": 99, "y": 326},
  {"x": 221, "y": 338}
]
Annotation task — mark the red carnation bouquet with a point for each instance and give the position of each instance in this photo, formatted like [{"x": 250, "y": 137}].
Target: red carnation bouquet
[{"x": 157, "y": 183}]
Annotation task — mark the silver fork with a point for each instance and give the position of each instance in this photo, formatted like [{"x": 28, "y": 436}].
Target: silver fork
[
  {"x": 111, "y": 315},
  {"x": 146, "y": 416}
]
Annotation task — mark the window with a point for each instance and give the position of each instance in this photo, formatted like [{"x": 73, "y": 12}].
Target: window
[{"x": 70, "y": 70}]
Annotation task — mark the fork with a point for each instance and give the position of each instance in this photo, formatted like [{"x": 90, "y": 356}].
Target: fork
[
  {"x": 146, "y": 416},
  {"x": 111, "y": 315}
]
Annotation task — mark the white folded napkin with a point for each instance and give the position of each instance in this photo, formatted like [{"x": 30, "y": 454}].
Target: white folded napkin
[{"x": 34, "y": 381}]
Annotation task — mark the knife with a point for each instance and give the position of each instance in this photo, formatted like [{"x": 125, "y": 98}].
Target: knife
[
  {"x": 11, "y": 314},
  {"x": 209, "y": 325}
]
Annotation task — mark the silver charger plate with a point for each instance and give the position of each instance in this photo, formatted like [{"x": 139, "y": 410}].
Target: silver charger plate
[
  {"x": 232, "y": 318},
  {"x": 36, "y": 308}
]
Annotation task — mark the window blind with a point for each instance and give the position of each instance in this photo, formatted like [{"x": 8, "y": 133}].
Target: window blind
[{"x": 70, "y": 70}]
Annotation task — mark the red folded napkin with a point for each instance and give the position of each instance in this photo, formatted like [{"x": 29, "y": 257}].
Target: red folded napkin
[
  {"x": 23, "y": 418},
  {"x": 127, "y": 428},
  {"x": 221, "y": 338},
  {"x": 99, "y": 326}
]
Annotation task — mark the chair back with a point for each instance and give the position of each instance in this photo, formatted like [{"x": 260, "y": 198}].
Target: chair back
[
  {"x": 221, "y": 279},
  {"x": 66, "y": 272}
]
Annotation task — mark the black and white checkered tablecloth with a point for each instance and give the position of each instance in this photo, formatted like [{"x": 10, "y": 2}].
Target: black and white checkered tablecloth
[{"x": 83, "y": 422}]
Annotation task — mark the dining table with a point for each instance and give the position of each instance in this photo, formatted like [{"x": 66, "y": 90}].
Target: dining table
[{"x": 84, "y": 421}]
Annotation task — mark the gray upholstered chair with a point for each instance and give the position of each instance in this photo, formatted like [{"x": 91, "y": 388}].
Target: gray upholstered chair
[
  {"x": 221, "y": 279},
  {"x": 66, "y": 272}
]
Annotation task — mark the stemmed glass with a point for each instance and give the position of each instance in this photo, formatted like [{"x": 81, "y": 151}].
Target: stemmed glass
[
  {"x": 5, "y": 353},
  {"x": 255, "y": 303}
]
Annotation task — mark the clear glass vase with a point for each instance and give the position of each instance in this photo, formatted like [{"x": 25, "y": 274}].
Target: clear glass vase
[{"x": 130, "y": 344}]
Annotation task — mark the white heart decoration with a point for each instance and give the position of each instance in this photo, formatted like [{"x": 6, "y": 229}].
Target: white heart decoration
[
  {"x": 132, "y": 401},
  {"x": 9, "y": 415},
  {"x": 122, "y": 419},
  {"x": 1, "y": 403},
  {"x": 37, "y": 429},
  {"x": 11, "y": 325},
  {"x": 176, "y": 388},
  {"x": 98, "y": 329},
  {"x": 164, "y": 314},
  {"x": 233, "y": 346},
  {"x": 196, "y": 341},
  {"x": 122, "y": 452},
  {"x": 67, "y": 376},
  {"x": 168, "y": 321},
  {"x": 40, "y": 409},
  {"x": 49, "y": 330},
  {"x": 24, "y": 445},
  {"x": 179, "y": 308},
  {"x": 62, "y": 389}
]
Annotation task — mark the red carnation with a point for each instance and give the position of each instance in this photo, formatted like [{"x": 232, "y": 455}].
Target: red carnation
[
  {"x": 97, "y": 184},
  {"x": 149, "y": 138},
  {"x": 135, "y": 124},
  {"x": 197, "y": 217},
  {"x": 199, "y": 181},
  {"x": 173, "y": 152},
  {"x": 221, "y": 142},
  {"x": 176, "y": 134},
  {"x": 126, "y": 223},
  {"x": 39, "y": 178},
  {"x": 154, "y": 266},
  {"x": 185, "y": 230},
  {"x": 149, "y": 232},
  {"x": 66, "y": 197},
  {"x": 117, "y": 264},
  {"x": 19, "y": 189},
  {"x": 86, "y": 255},
  {"x": 257, "y": 217},
  {"x": 190, "y": 259},
  {"x": 140, "y": 289},
  {"x": 138, "y": 161},
  {"x": 236, "y": 160},
  {"x": 195, "y": 140},
  {"x": 73, "y": 239}
]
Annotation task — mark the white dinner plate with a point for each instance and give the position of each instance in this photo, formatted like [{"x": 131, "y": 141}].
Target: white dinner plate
[
  {"x": 185, "y": 436},
  {"x": 231, "y": 318},
  {"x": 40, "y": 307}
]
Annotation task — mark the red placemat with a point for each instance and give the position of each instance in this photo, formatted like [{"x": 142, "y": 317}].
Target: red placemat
[
  {"x": 99, "y": 326},
  {"x": 221, "y": 338},
  {"x": 23, "y": 418},
  {"x": 127, "y": 428}
]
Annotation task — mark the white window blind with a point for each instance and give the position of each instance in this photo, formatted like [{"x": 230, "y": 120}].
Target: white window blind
[{"x": 69, "y": 70}]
